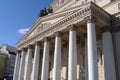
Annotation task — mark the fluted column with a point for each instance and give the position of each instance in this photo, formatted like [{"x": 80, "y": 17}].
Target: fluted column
[
  {"x": 22, "y": 64},
  {"x": 17, "y": 65},
  {"x": 36, "y": 62},
  {"x": 109, "y": 61},
  {"x": 45, "y": 62},
  {"x": 57, "y": 58},
  {"x": 28, "y": 64},
  {"x": 92, "y": 51},
  {"x": 72, "y": 63},
  {"x": 86, "y": 60}
]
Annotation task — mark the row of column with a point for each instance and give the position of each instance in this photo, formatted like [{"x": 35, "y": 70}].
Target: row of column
[{"x": 91, "y": 52}]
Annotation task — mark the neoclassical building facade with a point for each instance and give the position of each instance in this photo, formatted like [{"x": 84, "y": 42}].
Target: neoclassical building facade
[{"x": 80, "y": 40}]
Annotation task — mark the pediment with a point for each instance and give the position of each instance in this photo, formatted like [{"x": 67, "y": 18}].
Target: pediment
[{"x": 41, "y": 25}]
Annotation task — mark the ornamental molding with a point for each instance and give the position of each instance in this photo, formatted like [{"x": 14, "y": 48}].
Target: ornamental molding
[{"x": 89, "y": 9}]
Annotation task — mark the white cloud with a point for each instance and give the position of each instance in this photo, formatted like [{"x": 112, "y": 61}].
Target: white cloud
[{"x": 23, "y": 31}]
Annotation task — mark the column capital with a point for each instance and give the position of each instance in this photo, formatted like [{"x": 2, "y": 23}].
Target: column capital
[
  {"x": 18, "y": 51},
  {"x": 90, "y": 19},
  {"x": 23, "y": 49},
  {"x": 29, "y": 46},
  {"x": 58, "y": 34},
  {"x": 72, "y": 27},
  {"x": 46, "y": 39},
  {"x": 36, "y": 43}
]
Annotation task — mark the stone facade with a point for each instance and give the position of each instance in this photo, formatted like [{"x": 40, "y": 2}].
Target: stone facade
[
  {"x": 78, "y": 41},
  {"x": 7, "y": 60},
  {"x": 2, "y": 65}
]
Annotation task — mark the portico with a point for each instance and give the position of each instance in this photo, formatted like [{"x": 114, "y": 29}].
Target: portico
[{"x": 81, "y": 33}]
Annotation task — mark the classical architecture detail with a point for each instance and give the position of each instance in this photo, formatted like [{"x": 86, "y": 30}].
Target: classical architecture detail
[
  {"x": 40, "y": 28},
  {"x": 78, "y": 41},
  {"x": 72, "y": 18}
]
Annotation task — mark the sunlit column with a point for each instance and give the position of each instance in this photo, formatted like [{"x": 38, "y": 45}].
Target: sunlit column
[
  {"x": 92, "y": 51},
  {"x": 28, "y": 64},
  {"x": 22, "y": 64},
  {"x": 72, "y": 63},
  {"x": 36, "y": 62},
  {"x": 57, "y": 58},
  {"x": 17, "y": 65},
  {"x": 45, "y": 62}
]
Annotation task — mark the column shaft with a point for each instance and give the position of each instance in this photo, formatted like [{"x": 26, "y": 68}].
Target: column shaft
[
  {"x": 28, "y": 64},
  {"x": 109, "y": 62},
  {"x": 36, "y": 62},
  {"x": 72, "y": 63},
  {"x": 17, "y": 65},
  {"x": 57, "y": 59},
  {"x": 92, "y": 52},
  {"x": 45, "y": 62},
  {"x": 22, "y": 64}
]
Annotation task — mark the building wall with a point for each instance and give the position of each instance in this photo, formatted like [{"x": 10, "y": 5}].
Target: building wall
[
  {"x": 10, "y": 62},
  {"x": 2, "y": 65},
  {"x": 8, "y": 52}
]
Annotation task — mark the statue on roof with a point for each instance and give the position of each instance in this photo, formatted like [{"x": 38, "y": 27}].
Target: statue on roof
[{"x": 46, "y": 11}]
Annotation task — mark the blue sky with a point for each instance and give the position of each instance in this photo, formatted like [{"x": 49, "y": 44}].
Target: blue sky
[{"x": 17, "y": 16}]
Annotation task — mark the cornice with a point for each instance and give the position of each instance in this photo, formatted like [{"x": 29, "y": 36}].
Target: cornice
[{"x": 87, "y": 10}]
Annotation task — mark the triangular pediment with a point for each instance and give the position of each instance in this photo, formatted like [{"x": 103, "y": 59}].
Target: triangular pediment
[
  {"x": 44, "y": 23},
  {"x": 40, "y": 25}
]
